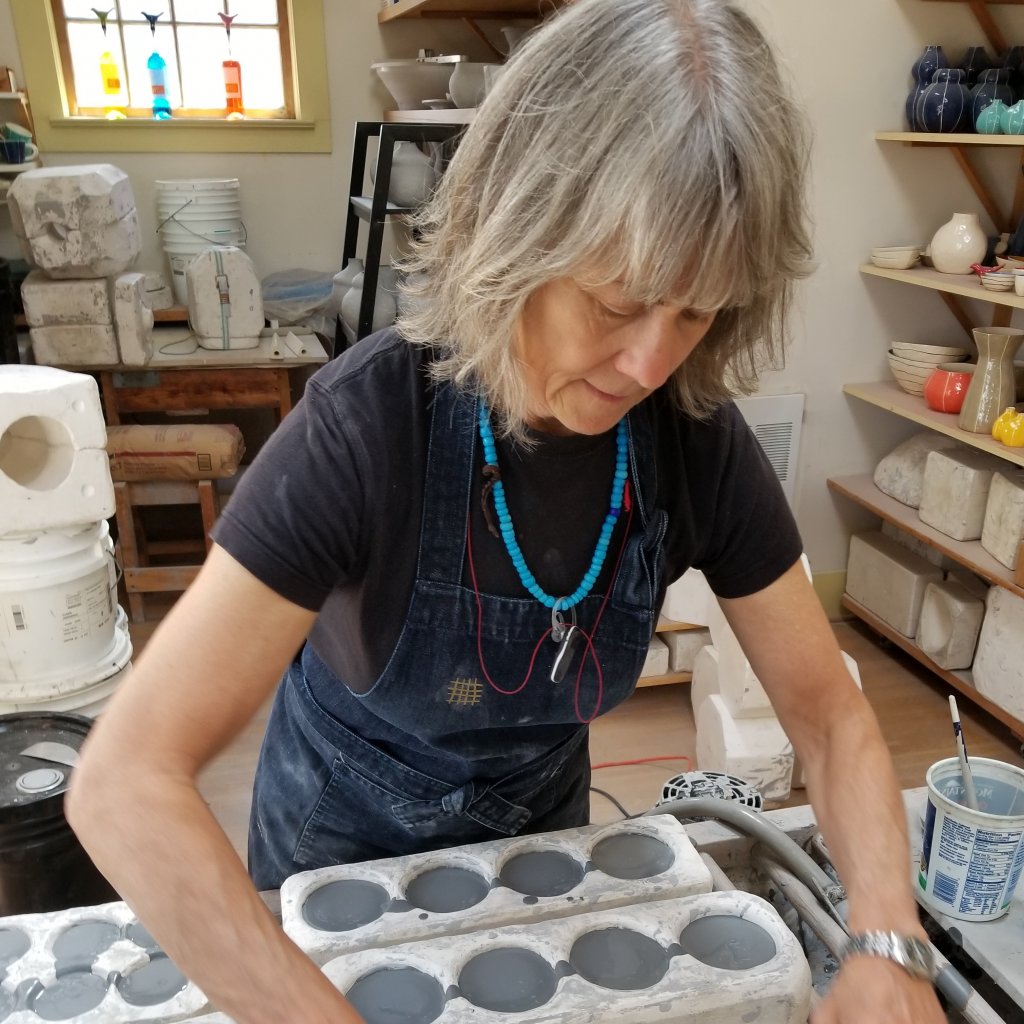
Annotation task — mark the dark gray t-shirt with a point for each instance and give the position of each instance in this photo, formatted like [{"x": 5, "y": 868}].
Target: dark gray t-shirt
[{"x": 328, "y": 514}]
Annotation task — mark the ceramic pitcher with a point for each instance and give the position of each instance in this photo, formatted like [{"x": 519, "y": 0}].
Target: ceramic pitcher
[{"x": 993, "y": 385}]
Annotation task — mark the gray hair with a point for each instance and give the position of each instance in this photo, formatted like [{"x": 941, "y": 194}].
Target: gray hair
[{"x": 649, "y": 142}]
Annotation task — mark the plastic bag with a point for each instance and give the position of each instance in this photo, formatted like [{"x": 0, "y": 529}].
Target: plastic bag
[{"x": 296, "y": 296}]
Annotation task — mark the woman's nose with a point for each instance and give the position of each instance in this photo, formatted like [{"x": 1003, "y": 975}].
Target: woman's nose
[{"x": 654, "y": 349}]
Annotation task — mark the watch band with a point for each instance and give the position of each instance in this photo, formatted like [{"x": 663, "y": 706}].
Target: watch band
[{"x": 914, "y": 955}]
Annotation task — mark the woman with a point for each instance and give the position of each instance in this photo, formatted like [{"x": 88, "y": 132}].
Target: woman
[{"x": 472, "y": 521}]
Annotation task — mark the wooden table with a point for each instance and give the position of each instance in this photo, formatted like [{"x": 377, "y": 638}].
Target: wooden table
[{"x": 181, "y": 376}]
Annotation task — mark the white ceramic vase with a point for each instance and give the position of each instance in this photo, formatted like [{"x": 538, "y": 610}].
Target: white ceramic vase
[
  {"x": 343, "y": 281},
  {"x": 467, "y": 85},
  {"x": 958, "y": 244},
  {"x": 384, "y": 308},
  {"x": 412, "y": 175}
]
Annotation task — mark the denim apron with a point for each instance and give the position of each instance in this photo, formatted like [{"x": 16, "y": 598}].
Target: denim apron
[{"x": 432, "y": 755}]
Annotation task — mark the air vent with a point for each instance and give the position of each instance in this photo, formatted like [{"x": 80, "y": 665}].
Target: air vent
[{"x": 775, "y": 421}]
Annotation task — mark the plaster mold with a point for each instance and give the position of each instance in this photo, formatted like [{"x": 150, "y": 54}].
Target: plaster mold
[
  {"x": 955, "y": 492},
  {"x": 133, "y": 319},
  {"x": 689, "y": 599},
  {"x": 683, "y": 647},
  {"x": 738, "y": 687},
  {"x": 352, "y": 907},
  {"x": 950, "y": 621},
  {"x": 54, "y": 470},
  {"x": 716, "y": 958},
  {"x": 998, "y": 668},
  {"x": 75, "y": 345},
  {"x": 1003, "y": 529},
  {"x": 705, "y": 678},
  {"x": 900, "y": 474},
  {"x": 656, "y": 662},
  {"x": 50, "y": 303},
  {"x": 90, "y": 965}
]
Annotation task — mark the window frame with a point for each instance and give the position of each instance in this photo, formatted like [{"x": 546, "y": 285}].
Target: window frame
[
  {"x": 57, "y": 130},
  {"x": 60, "y": 25}
]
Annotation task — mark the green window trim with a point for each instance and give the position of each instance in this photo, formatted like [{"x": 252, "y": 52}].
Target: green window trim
[{"x": 310, "y": 132}]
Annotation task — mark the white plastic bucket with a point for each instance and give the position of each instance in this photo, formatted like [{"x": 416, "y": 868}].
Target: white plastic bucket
[
  {"x": 971, "y": 860},
  {"x": 58, "y": 612}
]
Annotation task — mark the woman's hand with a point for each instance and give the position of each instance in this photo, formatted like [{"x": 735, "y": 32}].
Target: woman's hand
[{"x": 872, "y": 990}]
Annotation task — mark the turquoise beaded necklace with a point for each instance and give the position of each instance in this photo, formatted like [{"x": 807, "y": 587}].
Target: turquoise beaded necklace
[{"x": 508, "y": 534}]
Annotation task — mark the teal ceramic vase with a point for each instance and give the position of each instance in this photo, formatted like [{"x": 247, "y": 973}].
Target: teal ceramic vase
[
  {"x": 1012, "y": 119},
  {"x": 990, "y": 120}
]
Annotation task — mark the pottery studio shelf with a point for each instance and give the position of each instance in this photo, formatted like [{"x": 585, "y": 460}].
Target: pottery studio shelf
[
  {"x": 668, "y": 626},
  {"x": 465, "y": 9},
  {"x": 967, "y": 286},
  {"x": 462, "y": 115}
]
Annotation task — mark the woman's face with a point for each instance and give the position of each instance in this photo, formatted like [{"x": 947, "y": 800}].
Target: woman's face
[{"x": 589, "y": 354}]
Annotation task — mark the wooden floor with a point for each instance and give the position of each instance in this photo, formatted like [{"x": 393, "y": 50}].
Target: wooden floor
[{"x": 911, "y": 704}]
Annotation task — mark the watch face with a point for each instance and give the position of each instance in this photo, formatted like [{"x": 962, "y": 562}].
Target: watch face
[{"x": 919, "y": 957}]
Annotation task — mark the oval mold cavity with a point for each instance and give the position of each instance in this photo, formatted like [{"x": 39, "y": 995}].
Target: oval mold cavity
[
  {"x": 445, "y": 890},
  {"x": 397, "y": 995},
  {"x": 619, "y": 958},
  {"x": 13, "y": 946},
  {"x": 152, "y": 983},
  {"x": 508, "y": 980},
  {"x": 76, "y": 948},
  {"x": 140, "y": 935},
  {"x": 70, "y": 996},
  {"x": 346, "y": 904},
  {"x": 731, "y": 943},
  {"x": 542, "y": 873},
  {"x": 632, "y": 855}
]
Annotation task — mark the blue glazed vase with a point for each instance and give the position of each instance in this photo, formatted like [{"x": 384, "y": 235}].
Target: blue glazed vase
[
  {"x": 1012, "y": 119},
  {"x": 990, "y": 120},
  {"x": 993, "y": 84},
  {"x": 922, "y": 71},
  {"x": 1013, "y": 60},
  {"x": 973, "y": 62},
  {"x": 945, "y": 106}
]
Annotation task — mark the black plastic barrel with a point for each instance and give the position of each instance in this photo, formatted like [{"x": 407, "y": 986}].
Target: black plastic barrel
[{"x": 43, "y": 867}]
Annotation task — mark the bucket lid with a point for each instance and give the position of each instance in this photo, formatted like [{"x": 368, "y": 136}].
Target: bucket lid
[{"x": 27, "y": 784}]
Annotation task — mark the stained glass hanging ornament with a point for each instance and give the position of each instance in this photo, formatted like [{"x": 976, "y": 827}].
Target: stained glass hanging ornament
[
  {"x": 233, "y": 102},
  {"x": 110, "y": 74},
  {"x": 157, "y": 74}
]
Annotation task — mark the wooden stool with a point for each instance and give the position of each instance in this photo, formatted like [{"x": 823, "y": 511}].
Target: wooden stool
[{"x": 135, "y": 552}]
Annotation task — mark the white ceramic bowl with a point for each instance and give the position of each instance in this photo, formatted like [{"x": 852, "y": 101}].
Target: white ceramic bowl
[
  {"x": 1010, "y": 262},
  {"x": 897, "y": 261},
  {"x": 892, "y": 250},
  {"x": 910, "y": 376},
  {"x": 916, "y": 360},
  {"x": 921, "y": 352},
  {"x": 997, "y": 281},
  {"x": 411, "y": 82}
]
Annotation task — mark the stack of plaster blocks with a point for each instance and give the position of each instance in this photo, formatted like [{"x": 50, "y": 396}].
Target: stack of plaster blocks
[
  {"x": 737, "y": 730},
  {"x": 966, "y": 495},
  {"x": 657, "y": 908},
  {"x": 79, "y": 228}
]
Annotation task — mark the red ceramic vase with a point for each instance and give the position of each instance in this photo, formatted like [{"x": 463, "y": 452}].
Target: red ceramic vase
[{"x": 946, "y": 386}]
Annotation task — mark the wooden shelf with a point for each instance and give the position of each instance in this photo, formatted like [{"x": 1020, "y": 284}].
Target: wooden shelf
[
  {"x": 960, "y": 681},
  {"x": 462, "y": 115},
  {"x": 968, "y": 553},
  {"x": 671, "y": 626},
  {"x": 950, "y": 139},
  {"x": 965, "y": 285},
  {"x": 888, "y": 395},
  {"x": 672, "y": 677},
  {"x": 465, "y": 9}
]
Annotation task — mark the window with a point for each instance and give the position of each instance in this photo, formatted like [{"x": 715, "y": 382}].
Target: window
[
  {"x": 280, "y": 46},
  {"x": 179, "y": 61}
]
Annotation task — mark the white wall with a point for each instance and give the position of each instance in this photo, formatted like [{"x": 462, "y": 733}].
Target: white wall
[{"x": 849, "y": 63}]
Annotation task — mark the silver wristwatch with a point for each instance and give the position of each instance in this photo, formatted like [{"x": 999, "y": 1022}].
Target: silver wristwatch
[{"x": 912, "y": 954}]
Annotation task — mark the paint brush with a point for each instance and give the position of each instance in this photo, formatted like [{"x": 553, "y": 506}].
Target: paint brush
[{"x": 970, "y": 794}]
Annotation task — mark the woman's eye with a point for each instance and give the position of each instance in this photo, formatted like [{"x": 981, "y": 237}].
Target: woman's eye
[{"x": 620, "y": 311}]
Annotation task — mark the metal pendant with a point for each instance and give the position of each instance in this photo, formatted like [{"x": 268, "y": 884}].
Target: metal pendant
[{"x": 566, "y": 653}]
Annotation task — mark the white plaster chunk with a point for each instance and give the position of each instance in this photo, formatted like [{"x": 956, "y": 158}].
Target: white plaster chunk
[
  {"x": 93, "y": 252},
  {"x": 54, "y": 470},
  {"x": 501, "y": 906},
  {"x": 683, "y": 647},
  {"x": 75, "y": 345},
  {"x": 950, "y": 621},
  {"x": 955, "y": 492},
  {"x": 71, "y": 198},
  {"x": 1003, "y": 528},
  {"x": 50, "y": 303},
  {"x": 122, "y": 956},
  {"x": 656, "y": 662},
  {"x": 739, "y": 687},
  {"x": 900, "y": 474},
  {"x": 888, "y": 579},
  {"x": 705, "y": 677},
  {"x": 688, "y": 599},
  {"x": 689, "y": 992},
  {"x": 918, "y": 546},
  {"x": 999, "y": 662},
  {"x": 158, "y": 291},
  {"x": 133, "y": 319},
  {"x": 754, "y": 749}
]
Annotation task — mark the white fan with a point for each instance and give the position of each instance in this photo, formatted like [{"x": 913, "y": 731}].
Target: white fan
[{"x": 713, "y": 784}]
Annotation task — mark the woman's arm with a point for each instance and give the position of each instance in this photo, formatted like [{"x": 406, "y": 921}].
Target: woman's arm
[
  {"x": 134, "y": 803},
  {"x": 852, "y": 786}
]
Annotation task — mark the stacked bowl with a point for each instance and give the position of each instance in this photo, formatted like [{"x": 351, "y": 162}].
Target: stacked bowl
[
  {"x": 896, "y": 257},
  {"x": 912, "y": 363}
]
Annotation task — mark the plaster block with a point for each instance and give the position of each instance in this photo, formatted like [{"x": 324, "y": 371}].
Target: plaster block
[
  {"x": 705, "y": 678},
  {"x": 131, "y": 978},
  {"x": 888, "y": 579},
  {"x": 54, "y": 470},
  {"x": 900, "y": 474},
  {"x": 158, "y": 291},
  {"x": 133, "y": 319},
  {"x": 754, "y": 749},
  {"x": 918, "y": 546},
  {"x": 50, "y": 303},
  {"x": 652, "y": 859},
  {"x": 683, "y": 647},
  {"x": 956, "y": 486},
  {"x": 71, "y": 198},
  {"x": 950, "y": 622},
  {"x": 739, "y": 687},
  {"x": 1003, "y": 528},
  {"x": 999, "y": 662},
  {"x": 78, "y": 345},
  {"x": 656, "y": 662},
  {"x": 688, "y": 599},
  {"x": 671, "y": 960}
]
